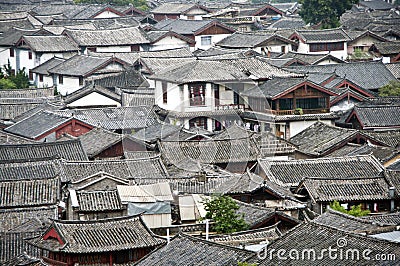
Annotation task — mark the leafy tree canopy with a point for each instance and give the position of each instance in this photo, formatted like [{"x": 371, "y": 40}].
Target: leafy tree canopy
[
  {"x": 391, "y": 89},
  {"x": 140, "y": 4},
  {"x": 222, "y": 210},
  {"x": 354, "y": 210},
  {"x": 326, "y": 12},
  {"x": 10, "y": 81}
]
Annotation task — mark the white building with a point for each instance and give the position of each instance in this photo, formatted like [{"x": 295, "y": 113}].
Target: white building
[{"x": 333, "y": 41}]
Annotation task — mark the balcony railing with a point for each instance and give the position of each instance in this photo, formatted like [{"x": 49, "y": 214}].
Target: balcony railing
[
  {"x": 296, "y": 112},
  {"x": 230, "y": 107}
]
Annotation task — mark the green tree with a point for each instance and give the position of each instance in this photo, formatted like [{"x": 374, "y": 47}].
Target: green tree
[
  {"x": 6, "y": 84},
  {"x": 20, "y": 79},
  {"x": 222, "y": 210},
  {"x": 354, "y": 210},
  {"x": 391, "y": 89},
  {"x": 326, "y": 12},
  {"x": 140, "y": 4}
]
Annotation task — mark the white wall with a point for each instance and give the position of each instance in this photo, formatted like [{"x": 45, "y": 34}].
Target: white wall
[
  {"x": 24, "y": 60},
  {"x": 305, "y": 49},
  {"x": 214, "y": 39},
  {"x": 297, "y": 126},
  {"x": 94, "y": 99},
  {"x": 169, "y": 42},
  {"x": 47, "y": 81},
  {"x": 5, "y": 56},
  {"x": 70, "y": 84},
  {"x": 107, "y": 14}
]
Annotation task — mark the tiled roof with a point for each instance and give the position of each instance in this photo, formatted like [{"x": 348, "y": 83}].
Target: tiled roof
[
  {"x": 78, "y": 94},
  {"x": 279, "y": 86},
  {"x": 244, "y": 183},
  {"x": 254, "y": 215},
  {"x": 134, "y": 117},
  {"x": 12, "y": 108},
  {"x": 18, "y": 217},
  {"x": 210, "y": 151},
  {"x": 258, "y": 68},
  {"x": 10, "y": 37},
  {"x": 188, "y": 27},
  {"x": 129, "y": 78},
  {"x": 80, "y": 65},
  {"x": 390, "y": 138},
  {"x": 346, "y": 189},
  {"x": 13, "y": 249},
  {"x": 249, "y": 40},
  {"x": 387, "y": 48},
  {"x": 43, "y": 106},
  {"x": 105, "y": 235},
  {"x": 98, "y": 140},
  {"x": 201, "y": 71},
  {"x": 291, "y": 172},
  {"x": 312, "y": 236},
  {"x": 160, "y": 191},
  {"x": 38, "y": 124},
  {"x": 393, "y": 177},
  {"x": 383, "y": 154},
  {"x": 7, "y": 138},
  {"x": 29, "y": 170},
  {"x": 320, "y": 138},
  {"x": 367, "y": 75},
  {"x": 69, "y": 150},
  {"x": 288, "y": 23},
  {"x": 254, "y": 236},
  {"x": 112, "y": 37},
  {"x": 328, "y": 35},
  {"x": 157, "y": 35},
  {"x": 26, "y": 193},
  {"x": 387, "y": 218},
  {"x": 174, "y": 8},
  {"x": 376, "y": 5},
  {"x": 22, "y": 258},
  {"x": 27, "y": 93},
  {"x": 189, "y": 251},
  {"x": 49, "y": 64},
  {"x": 156, "y": 131},
  {"x": 395, "y": 69},
  {"x": 97, "y": 201},
  {"x": 50, "y": 44},
  {"x": 378, "y": 116},
  {"x": 137, "y": 168},
  {"x": 347, "y": 222},
  {"x": 311, "y": 59}
]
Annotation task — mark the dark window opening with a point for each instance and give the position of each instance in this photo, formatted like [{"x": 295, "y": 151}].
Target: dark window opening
[
  {"x": 165, "y": 91},
  {"x": 311, "y": 103},
  {"x": 11, "y": 52},
  {"x": 316, "y": 47},
  {"x": 60, "y": 79},
  {"x": 197, "y": 93},
  {"x": 286, "y": 104},
  {"x": 80, "y": 81},
  {"x": 41, "y": 77},
  {"x": 200, "y": 122},
  {"x": 30, "y": 55}
]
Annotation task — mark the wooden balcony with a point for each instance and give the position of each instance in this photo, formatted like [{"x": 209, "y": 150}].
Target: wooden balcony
[
  {"x": 295, "y": 112},
  {"x": 230, "y": 107}
]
